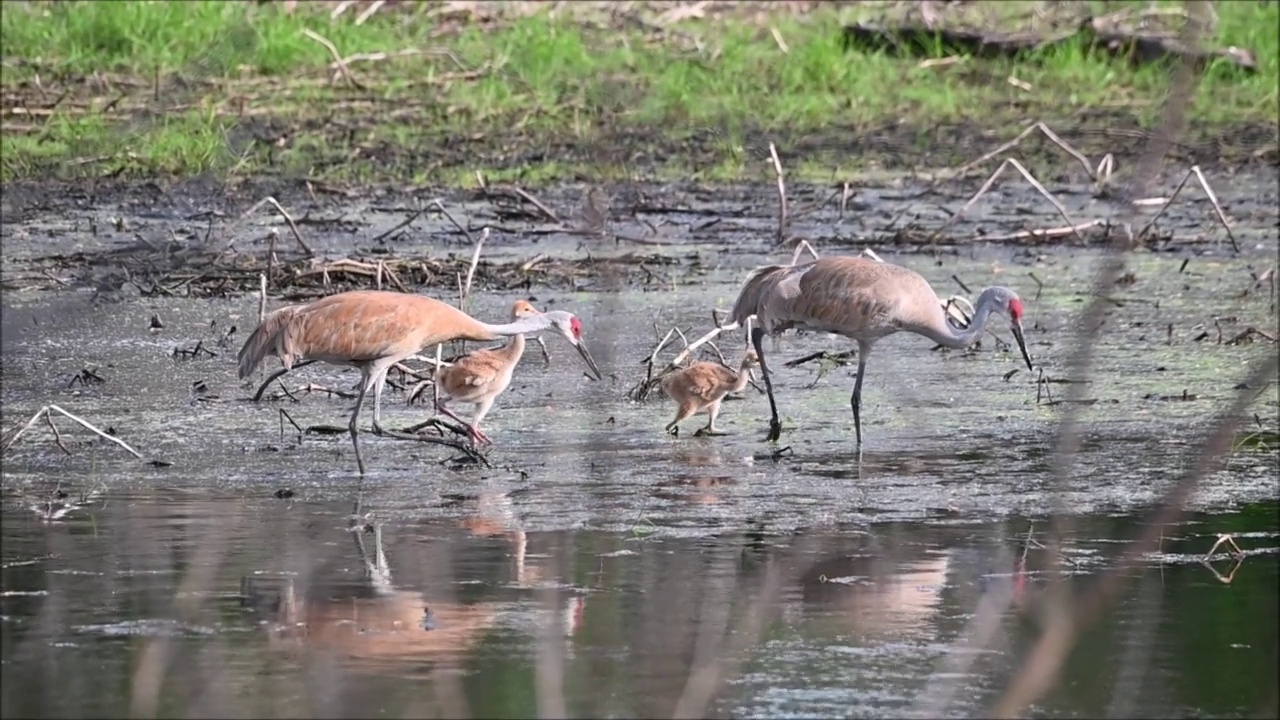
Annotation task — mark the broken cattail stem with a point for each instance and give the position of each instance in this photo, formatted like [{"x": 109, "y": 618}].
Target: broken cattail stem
[
  {"x": 471, "y": 271},
  {"x": 262, "y": 297},
  {"x": 782, "y": 192}
]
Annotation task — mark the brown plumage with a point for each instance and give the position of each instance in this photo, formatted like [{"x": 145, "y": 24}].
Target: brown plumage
[
  {"x": 479, "y": 377},
  {"x": 863, "y": 300},
  {"x": 702, "y": 386},
  {"x": 372, "y": 330}
]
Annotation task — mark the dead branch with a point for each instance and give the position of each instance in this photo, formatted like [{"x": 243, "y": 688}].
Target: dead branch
[
  {"x": 466, "y": 233},
  {"x": 402, "y": 224},
  {"x": 524, "y": 195},
  {"x": 1046, "y": 233},
  {"x": 991, "y": 181},
  {"x": 293, "y": 227},
  {"x": 1095, "y": 174},
  {"x": 44, "y": 412},
  {"x": 802, "y": 246},
  {"x": 1208, "y": 191}
]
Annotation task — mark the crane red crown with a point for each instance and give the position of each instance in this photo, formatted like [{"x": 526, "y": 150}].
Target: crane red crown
[
  {"x": 1015, "y": 309},
  {"x": 576, "y": 326}
]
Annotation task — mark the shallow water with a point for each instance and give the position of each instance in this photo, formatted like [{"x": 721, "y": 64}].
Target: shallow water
[{"x": 600, "y": 556}]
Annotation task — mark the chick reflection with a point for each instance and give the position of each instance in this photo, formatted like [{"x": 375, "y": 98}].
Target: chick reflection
[
  {"x": 874, "y": 596},
  {"x": 695, "y": 488},
  {"x": 493, "y": 515}
]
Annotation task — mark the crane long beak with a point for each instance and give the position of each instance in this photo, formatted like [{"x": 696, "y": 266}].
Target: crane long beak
[
  {"x": 1022, "y": 344},
  {"x": 586, "y": 357}
]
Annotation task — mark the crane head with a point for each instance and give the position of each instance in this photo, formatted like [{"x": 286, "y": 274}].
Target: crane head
[
  {"x": 571, "y": 327},
  {"x": 1015, "y": 324}
]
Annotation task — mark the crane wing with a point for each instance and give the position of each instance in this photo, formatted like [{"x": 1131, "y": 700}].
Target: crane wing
[{"x": 474, "y": 370}]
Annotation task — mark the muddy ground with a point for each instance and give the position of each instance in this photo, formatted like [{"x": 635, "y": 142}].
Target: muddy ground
[
  {"x": 119, "y": 303},
  {"x": 193, "y": 237}
]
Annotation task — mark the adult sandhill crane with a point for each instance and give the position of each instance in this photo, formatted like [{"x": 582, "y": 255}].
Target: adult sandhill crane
[
  {"x": 479, "y": 377},
  {"x": 862, "y": 300},
  {"x": 372, "y": 330},
  {"x": 701, "y": 386}
]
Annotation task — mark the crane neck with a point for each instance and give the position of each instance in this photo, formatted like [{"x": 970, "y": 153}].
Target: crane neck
[
  {"x": 944, "y": 333},
  {"x": 533, "y": 323},
  {"x": 740, "y": 382}
]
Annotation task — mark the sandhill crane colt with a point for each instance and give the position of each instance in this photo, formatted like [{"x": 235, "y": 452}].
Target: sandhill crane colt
[
  {"x": 862, "y": 300},
  {"x": 701, "y": 386},
  {"x": 372, "y": 330},
  {"x": 481, "y": 376}
]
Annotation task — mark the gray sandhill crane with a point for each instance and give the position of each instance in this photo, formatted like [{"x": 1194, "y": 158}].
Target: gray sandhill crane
[
  {"x": 862, "y": 300},
  {"x": 702, "y": 386},
  {"x": 480, "y": 376},
  {"x": 372, "y": 330}
]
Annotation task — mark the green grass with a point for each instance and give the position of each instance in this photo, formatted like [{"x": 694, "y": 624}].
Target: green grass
[{"x": 242, "y": 90}]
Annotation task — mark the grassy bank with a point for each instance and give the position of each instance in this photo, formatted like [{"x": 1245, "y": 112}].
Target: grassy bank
[{"x": 140, "y": 88}]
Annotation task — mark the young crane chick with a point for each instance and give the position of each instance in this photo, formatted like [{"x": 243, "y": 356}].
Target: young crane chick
[
  {"x": 702, "y": 386},
  {"x": 481, "y": 376}
]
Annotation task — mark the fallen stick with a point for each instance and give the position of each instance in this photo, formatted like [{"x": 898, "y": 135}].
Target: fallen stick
[
  {"x": 54, "y": 408},
  {"x": 402, "y": 224},
  {"x": 1047, "y": 233}
]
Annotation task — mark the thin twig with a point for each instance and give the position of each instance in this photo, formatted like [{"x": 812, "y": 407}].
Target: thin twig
[
  {"x": 467, "y": 233},
  {"x": 293, "y": 227}
]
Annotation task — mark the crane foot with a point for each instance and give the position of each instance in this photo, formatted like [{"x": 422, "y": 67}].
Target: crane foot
[{"x": 775, "y": 431}]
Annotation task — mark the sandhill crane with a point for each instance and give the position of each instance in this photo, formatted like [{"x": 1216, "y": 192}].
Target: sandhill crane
[
  {"x": 479, "y": 377},
  {"x": 702, "y": 386},
  {"x": 372, "y": 330},
  {"x": 862, "y": 300}
]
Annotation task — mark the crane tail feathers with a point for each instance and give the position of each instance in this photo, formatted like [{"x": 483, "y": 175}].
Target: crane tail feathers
[
  {"x": 755, "y": 290},
  {"x": 267, "y": 339}
]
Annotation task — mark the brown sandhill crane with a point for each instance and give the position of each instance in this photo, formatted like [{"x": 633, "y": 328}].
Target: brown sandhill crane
[
  {"x": 372, "y": 330},
  {"x": 479, "y": 377},
  {"x": 702, "y": 386},
  {"x": 862, "y": 300}
]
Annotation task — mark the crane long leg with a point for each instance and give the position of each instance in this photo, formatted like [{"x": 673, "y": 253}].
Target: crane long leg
[
  {"x": 379, "y": 380},
  {"x": 856, "y": 399},
  {"x": 775, "y": 425},
  {"x": 355, "y": 414}
]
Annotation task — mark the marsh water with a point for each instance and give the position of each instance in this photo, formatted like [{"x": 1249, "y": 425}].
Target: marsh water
[{"x": 600, "y": 568}]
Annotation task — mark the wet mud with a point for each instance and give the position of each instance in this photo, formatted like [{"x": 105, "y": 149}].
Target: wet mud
[{"x": 592, "y": 539}]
